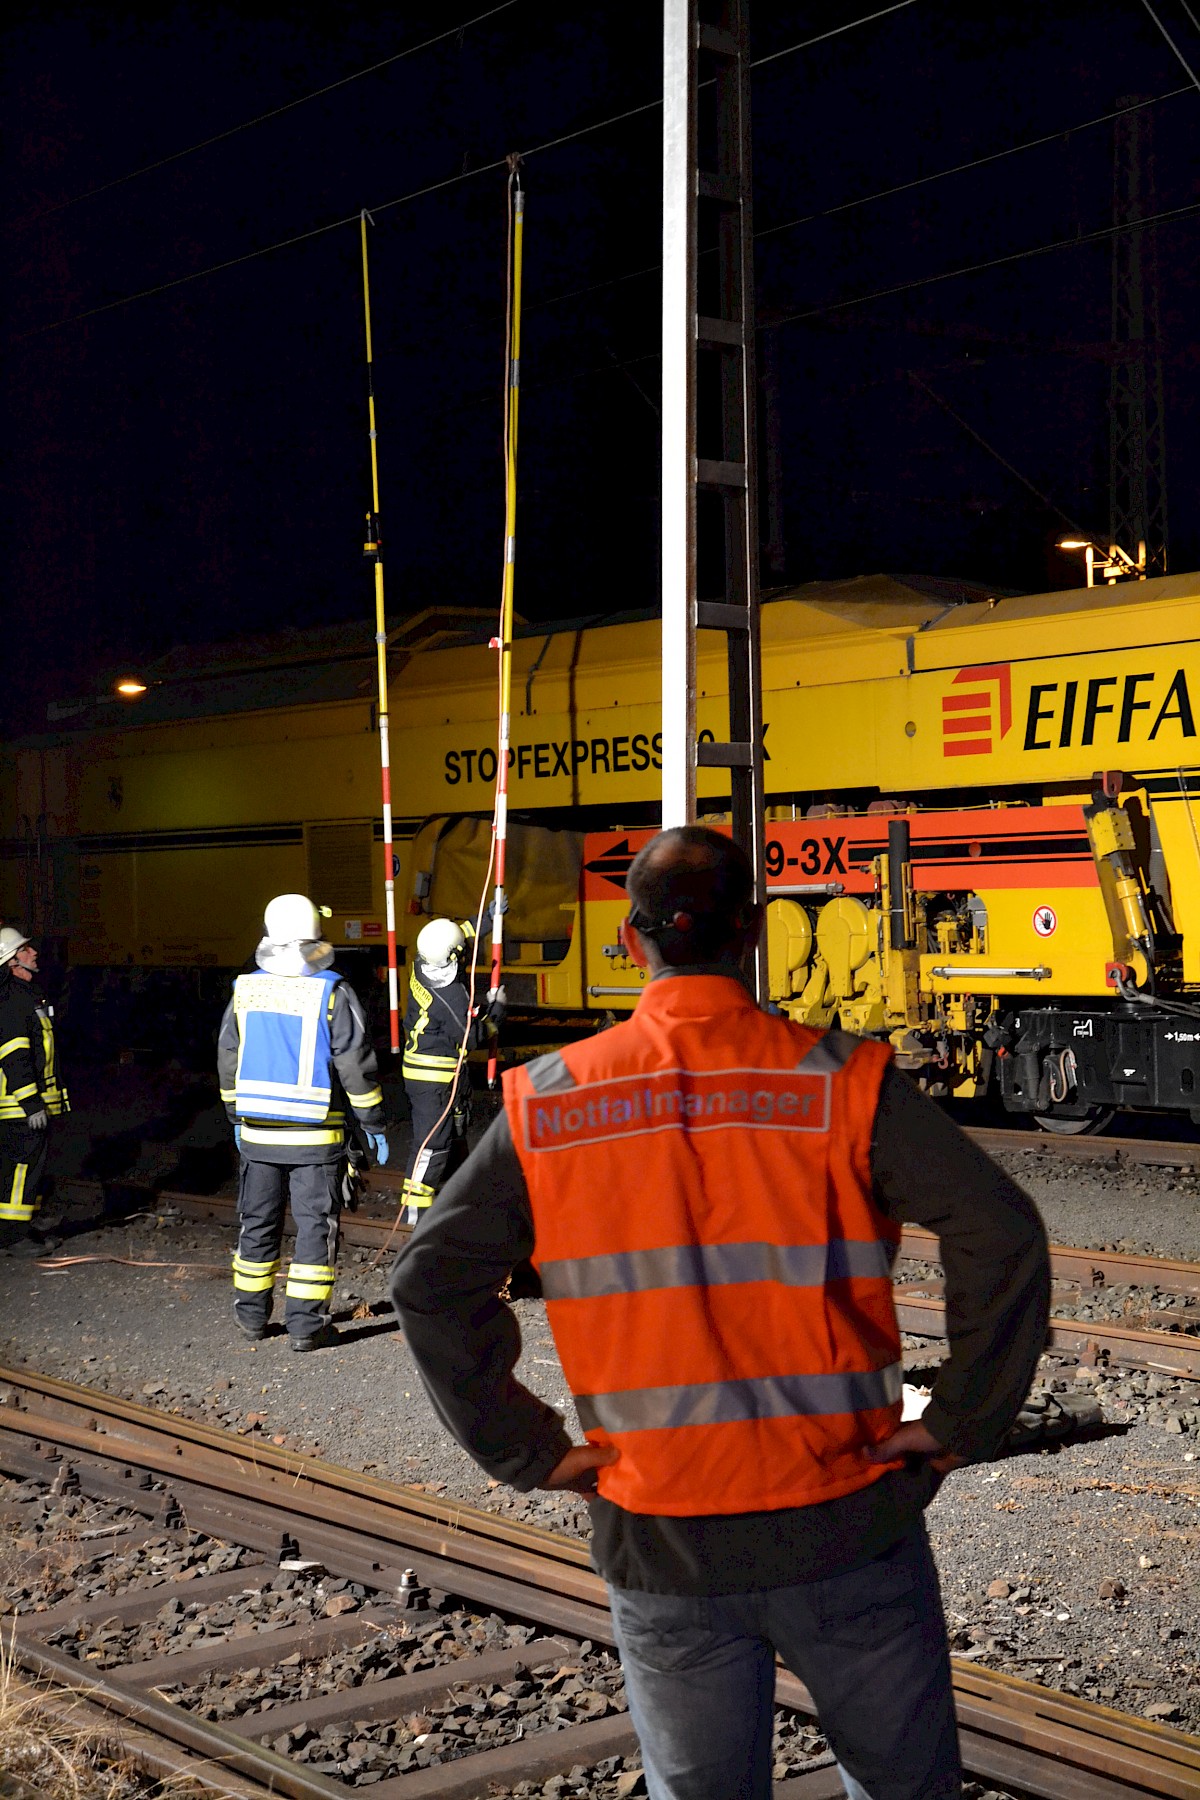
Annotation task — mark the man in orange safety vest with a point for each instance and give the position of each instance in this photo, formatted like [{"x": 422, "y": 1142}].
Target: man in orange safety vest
[{"x": 712, "y": 1198}]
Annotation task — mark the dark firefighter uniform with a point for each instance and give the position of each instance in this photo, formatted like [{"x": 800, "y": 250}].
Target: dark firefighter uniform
[
  {"x": 435, "y": 1026},
  {"x": 30, "y": 1089},
  {"x": 293, "y": 1057}
]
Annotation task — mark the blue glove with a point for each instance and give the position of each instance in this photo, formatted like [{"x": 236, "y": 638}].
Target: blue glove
[
  {"x": 380, "y": 1146},
  {"x": 237, "y": 1137},
  {"x": 493, "y": 908}
]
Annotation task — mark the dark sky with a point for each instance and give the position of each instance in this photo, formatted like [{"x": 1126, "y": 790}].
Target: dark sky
[{"x": 194, "y": 463}]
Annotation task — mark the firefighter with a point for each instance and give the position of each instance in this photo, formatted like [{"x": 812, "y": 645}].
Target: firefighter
[
  {"x": 712, "y": 1198},
  {"x": 296, "y": 1069},
  {"x": 440, "y": 1025},
  {"x": 31, "y": 1093}
]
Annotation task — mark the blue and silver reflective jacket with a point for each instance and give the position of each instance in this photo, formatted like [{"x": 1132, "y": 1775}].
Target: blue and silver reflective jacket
[{"x": 285, "y": 1050}]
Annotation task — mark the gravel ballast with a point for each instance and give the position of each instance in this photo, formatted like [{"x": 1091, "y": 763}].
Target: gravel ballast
[{"x": 1102, "y": 1533}]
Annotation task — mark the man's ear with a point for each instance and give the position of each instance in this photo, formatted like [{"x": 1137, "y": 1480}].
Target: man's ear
[
  {"x": 754, "y": 916},
  {"x": 631, "y": 937}
]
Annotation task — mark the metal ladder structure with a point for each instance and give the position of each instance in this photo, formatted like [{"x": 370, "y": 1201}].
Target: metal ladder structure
[{"x": 709, "y": 497}]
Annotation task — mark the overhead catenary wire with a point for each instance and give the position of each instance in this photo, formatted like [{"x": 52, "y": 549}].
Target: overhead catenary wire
[
  {"x": 902, "y": 187},
  {"x": 1179, "y": 56},
  {"x": 920, "y": 281},
  {"x": 275, "y": 112},
  {"x": 432, "y": 187},
  {"x": 976, "y": 162},
  {"x": 1051, "y": 505},
  {"x": 992, "y": 262}
]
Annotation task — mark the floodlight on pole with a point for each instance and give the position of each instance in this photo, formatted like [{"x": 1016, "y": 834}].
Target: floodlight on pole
[
  {"x": 130, "y": 687},
  {"x": 1112, "y": 564}
]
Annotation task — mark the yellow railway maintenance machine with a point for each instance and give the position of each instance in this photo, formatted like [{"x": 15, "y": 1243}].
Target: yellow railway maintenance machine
[{"x": 982, "y": 827}]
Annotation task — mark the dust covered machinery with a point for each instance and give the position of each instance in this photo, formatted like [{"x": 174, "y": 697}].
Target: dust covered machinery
[{"x": 983, "y": 839}]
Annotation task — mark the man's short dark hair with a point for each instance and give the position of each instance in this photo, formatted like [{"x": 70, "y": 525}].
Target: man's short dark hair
[{"x": 691, "y": 891}]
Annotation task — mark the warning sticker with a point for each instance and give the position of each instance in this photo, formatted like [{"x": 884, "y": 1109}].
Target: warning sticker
[{"x": 1045, "y": 921}]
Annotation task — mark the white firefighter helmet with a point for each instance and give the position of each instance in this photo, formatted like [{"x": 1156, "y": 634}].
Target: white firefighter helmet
[
  {"x": 438, "y": 941},
  {"x": 292, "y": 919},
  {"x": 10, "y": 942}
]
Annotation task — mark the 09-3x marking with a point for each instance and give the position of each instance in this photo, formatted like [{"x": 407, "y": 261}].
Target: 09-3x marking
[{"x": 818, "y": 856}]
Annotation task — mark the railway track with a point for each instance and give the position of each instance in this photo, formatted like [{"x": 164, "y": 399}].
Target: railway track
[
  {"x": 1171, "y": 1351},
  {"x": 284, "y": 1525},
  {"x": 1162, "y": 1153},
  {"x": 1174, "y": 1350}
]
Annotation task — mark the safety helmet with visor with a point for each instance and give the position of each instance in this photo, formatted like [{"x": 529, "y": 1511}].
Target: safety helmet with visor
[
  {"x": 293, "y": 919},
  {"x": 439, "y": 942},
  {"x": 11, "y": 941}
]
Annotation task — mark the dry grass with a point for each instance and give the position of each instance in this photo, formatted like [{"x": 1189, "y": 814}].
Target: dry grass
[
  {"x": 48, "y": 1562},
  {"x": 62, "y": 1757}
]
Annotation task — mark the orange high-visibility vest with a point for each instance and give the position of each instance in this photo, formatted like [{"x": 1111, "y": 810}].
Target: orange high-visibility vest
[{"x": 716, "y": 1273}]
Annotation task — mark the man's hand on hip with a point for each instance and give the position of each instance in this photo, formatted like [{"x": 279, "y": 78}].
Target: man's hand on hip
[
  {"x": 914, "y": 1440},
  {"x": 577, "y": 1470}
]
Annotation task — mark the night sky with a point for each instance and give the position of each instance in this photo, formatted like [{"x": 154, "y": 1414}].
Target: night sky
[{"x": 193, "y": 464}]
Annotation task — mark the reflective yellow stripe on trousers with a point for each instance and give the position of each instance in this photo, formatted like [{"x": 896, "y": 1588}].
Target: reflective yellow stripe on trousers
[
  {"x": 254, "y": 1277},
  {"x": 417, "y": 1193},
  {"x": 15, "y": 1206},
  {"x": 309, "y": 1281}
]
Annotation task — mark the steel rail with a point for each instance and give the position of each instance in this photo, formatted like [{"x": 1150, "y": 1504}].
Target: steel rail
[
  {"x": 1164, "y": 1352},
  {"x": 1151, "y": 1152},
  {"x": 1091, "y": 1268},
  {"x": 1094, "y": 1268},
  {"x": 1013, "y": 1731}
]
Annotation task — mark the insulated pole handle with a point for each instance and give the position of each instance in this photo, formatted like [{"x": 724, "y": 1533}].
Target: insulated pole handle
[{"x": 512, "y": 399}]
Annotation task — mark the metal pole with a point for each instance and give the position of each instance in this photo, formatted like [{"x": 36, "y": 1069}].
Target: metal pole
[
  {"x": 374, "y": 549},
  {"x": 720, "y": 460},
  {"x": 679, "y": 414},
  {"x": 504, "y": 642}
]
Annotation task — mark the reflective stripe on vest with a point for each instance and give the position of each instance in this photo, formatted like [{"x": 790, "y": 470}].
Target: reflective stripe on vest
[
  {"x": 10, "y": 1097},
  {"x": 712, "y": 1265},
  {"x": 716, "y": 1272},
  {"x": 422, "y": 1065},
  {"x": 418, "y": 1067},
  {"x": 53, "y": 1093},
  {"x": 715, "y": 1403},
  {"x": 284, "y": 1047}
]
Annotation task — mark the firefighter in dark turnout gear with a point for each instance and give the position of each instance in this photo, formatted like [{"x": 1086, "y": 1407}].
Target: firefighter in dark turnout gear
[
  {"x": 439, "y": 1024},
  {"x": 296, "y": 1067},
  {"x": 31, "y": 1093}
]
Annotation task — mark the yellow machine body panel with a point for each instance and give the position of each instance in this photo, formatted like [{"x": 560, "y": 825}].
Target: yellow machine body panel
[{"x": 159, "y": 843}]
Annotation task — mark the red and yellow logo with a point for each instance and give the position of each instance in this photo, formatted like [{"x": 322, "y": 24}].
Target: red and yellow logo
[{"x": 978, "y": 717}]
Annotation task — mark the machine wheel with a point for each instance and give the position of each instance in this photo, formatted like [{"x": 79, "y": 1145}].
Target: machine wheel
[{"x": 1096, "y": 1119}]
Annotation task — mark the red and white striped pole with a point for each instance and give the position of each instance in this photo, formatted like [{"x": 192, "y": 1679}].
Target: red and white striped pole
[{"x": 504, "y": 642}]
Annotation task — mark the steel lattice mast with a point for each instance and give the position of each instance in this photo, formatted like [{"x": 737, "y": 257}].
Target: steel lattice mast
[{"x": 1137, "y": 475}]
